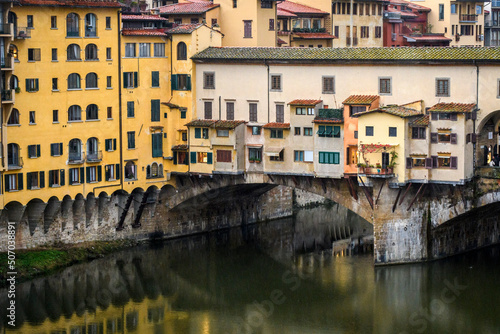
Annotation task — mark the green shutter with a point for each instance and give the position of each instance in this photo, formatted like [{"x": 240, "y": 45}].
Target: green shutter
[
  {"x": 175, "y": 158},
  {"x": 155, "y": 79},
  {"x": 38, "y": 150},
  {"x": 106, "y": 144},
  {"x": 193, "y": 157},
  {"x": 60, "y": 148},
  {"x": 135, "y": 80},
  {"x": 209, "y": 158},
  {"x": 51, "y": 180},
  {"x": 336, "y": 158},
  {"x": 155, "y": 110},
  {"x": 114, "y": 144},
  {"x": 28, "y": 85},
  {"x": 99, "y": 173},
  {"x": 173, "y": 81},
  {"x": 82, "y": 175},
  {"x": 36, "y": 85},
  {"x": 7, "y": 183},
  {"x": 61, "y": 179},
  {"x": 20, "y": 181},
  {"x": 117, "y": 171},
  {"x": 157, "y": 142},
  {"x": 336, "y": 131},
  {"x": 125, "y": 80},
  {"x": 321, "y": 158},
  {"x": 321, "y": 130},
  {"x": 88, "y": 174},
  {"x": 188, "y": 82},
  {"x": 197, "y": 132},
  {"x": 42, "y": 180},
  {"x": 52, "y": 149},
  {"x": 28, "y": 181},
  {"x": 329, "y": 130}
]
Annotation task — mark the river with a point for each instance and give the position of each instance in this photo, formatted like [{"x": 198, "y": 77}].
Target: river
[{"x": 275, "y": 277}]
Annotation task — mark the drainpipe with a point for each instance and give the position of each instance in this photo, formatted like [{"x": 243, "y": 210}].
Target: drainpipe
[
  {"x": 351, "y": 24},
  {"x": 268, "y": 97},
  {"x": 120, "y": 122},
  {"x": 220, "y": 111},
  {"x": 474, "y": 162}
]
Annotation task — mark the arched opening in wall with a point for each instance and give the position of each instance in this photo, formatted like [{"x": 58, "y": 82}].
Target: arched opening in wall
[
  {"x": 166, "y": 192},
  {"x": 90, "y": 207},
  {"x": 13, "y": 19},
  {"x": 488, "y": 140},
  {"x": 137, "y": 195},
  {"x": 103, "y": 201},
  {"x": 53, "y": 206},
  {"x": 78, "y": 211},
  {"x": 35, "y": 209},
  {"x": 14, "y": 117},
  {"x": 14, "y": 82},
  {"x": 66, "y": 207},
  {"x": 130, "y": 171},
  {"x": 14, "y": 212}
]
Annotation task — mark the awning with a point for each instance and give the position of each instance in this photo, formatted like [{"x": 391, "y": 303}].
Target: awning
[
  {"x": 254, "y": 145},
  {"x": 273, "y": 151}
]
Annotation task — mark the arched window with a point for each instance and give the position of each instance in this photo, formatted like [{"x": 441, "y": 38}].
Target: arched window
[
  {"x": 90, "y": 25},
  {"x": 148, "y": 171},
  {"x": 154, "y": 169},
  {"x": 73, "y": 52},
  {"x": 13, "y": 51},
  {"x": 13, "y": 155},
  {"x": 74, "y": 113},
  {"x": 75, "y": 150},
  {"x": 92, "y": 149},
  {"x": 181, "y": 51},
  {"x": 160, "y": 170},
  {"x": 72, "y": 25},
  {"x": 130, "y": 171},
  {"x": 14, "y": 117},
  {"x": 92, "y": 112},
  {"x": 74, "y": 81},
  {"x": 13, "y": 19},
  {"x": 91, "y": 80},
  {"x": 14, "y": 82},
  {"x": 91, "y": 52}
]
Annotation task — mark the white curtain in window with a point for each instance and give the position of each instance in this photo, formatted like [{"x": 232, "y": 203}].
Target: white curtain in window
[{"x": 308, "y": 156}]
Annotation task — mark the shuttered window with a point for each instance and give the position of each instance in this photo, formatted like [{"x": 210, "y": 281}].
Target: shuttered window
[
  {"x": 208, "y": 80},
  {"x": 224, "y": 156},
  {"x": 155, "y": 110},
  {"x": 253, "y": 112},
  {"x": 56, "y": 149},
  {"x": 230, "y": 111},
  {"x": 155, "y": 79},
  {"x": 442, "y": 87},
  {"x": 208, "y": 109},
  {"x": 280, "y": 113},
  {"x": 332, "y": 158},
  {"x": 157, "y": 145}
]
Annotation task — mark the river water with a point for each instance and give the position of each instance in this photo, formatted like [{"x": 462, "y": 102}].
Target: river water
[{"x": 275, "y": 277}]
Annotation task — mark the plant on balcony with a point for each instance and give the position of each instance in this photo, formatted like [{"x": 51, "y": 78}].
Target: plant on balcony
[
  {"x": 251, "y": 160},
  {"x": 378, "y": 165},
  {"x": 18, "y": 90},
  {"x": 394, "y": 156},
  {"x": 257, "y": 161}
]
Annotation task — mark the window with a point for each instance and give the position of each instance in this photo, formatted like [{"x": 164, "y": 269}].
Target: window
[
  {"x": 271, "y": 24},
  {"x": 308, "y": 131},
  {"x": 328, "y": 85},
  {"x": 56, "y": 149},
  {"x": 157, "y": 144},
  {"x": 56, "y": 178},
  {"x": 300, "y": 111},
  {"x": 444, "y": 137},
  {"x": 356, "y": 109},
  {"x": 418, "y": 133},
  {"x": 453, "y": 8},
  {"x": 108, "y": 22},
  {"x": 205, "y": 133},
  {"x": 479, "y": 10},
  {"x": 74, "y": 81},
  {"x": 266, "y": 4},
  {"x": 208, "y": 109},
  {"x": 418, "y": 161},
  {"x": 365, "y": 32},
  {"x": 74, "y": 113},
  {"x": 155, "y": 110},
  {"x": 230, "y": 111},
  {"x": 14, "y": 182},
  {"x": 55, "y": 85},
  {"x": 14, "y": 82},
  {"x": 442, "y": 87},
  {"x": 384, "y": 87},
  {"x": 112, "y": 172},
  {"x": 183, "y": 112},
  {"x": 92, "y": 112},
  {"x": 208, "y": 80},
  {"x": 14, "y": 117},
  {"x": 235, "y": 3},
  {"x": 130, "y": 80},
  {"x": 466, "y": 29},
  {"x": 297, "y": 131},
  {"x": 222, "y": 133},
  {"x": 108, "y": 53},
  {"x": 131, "y": 139},
  {"x": 181, "y": 82},
  {"x": 181, "y": 51},
  {"x": 280, "y": 113},
  {"x": 277, "y": 133},
  {"x": 32, "y": 85},
  {"x": 195, "y": 20},
  {"x": 256, "y": 130},
  {"x": 54, "y": 54},
  {"x": 155, "y": 79},
  {"x": 329, "y": 131},
  {"x": 279, "y": 157},
  {"x": 253, "y": 112},
  {"x": 72, "y": 25},
  {"x": 369, "y": 131},
  {"x": 93, "y": 174},
  {"x": 91, "y": 52},
  {"x": 247, "y": 28},
  {"x": 298, "y": 156},
  {"x": 55, "y": 116},
  {"x": 275, "y": 82},
  {"x": 90, "y": 25},
  {"x": 53, "y": 22},
  {"x": 130, "y": 50},
  {"x": 145, "y": 50},
  {"x": 336, "y": 31},
  {"x": 110, "y": 113},
  {"x": 32, "y": 117},
  {"x": 34, "y": 55},
  {"x": 180, "y": 158},
  {"x": 74, "y": 175},
  {"x": 30, "y": 21},
  {"x": 441, "y": 12},
  {"x": 201, "y": 133},
  {"x": 35, "y": 180},
  {"x": 130, "y": 109},
  {"x": 108, "y": 82},
  {"x": 33, "y": 151},
  {"x": 184, "y": 136},
  {"x": 130, "y": 171},
  {"x": 378, "y": 32},
  {"x": 255, "y": 154},
  {"x": 329, "y": 158},
  {"x": 202, "y": 157},
  {"x": 75, "y": 150},
  {"x": 91, "y": 81},
  {"x": 159, "y": 49},
  {"x": 73, "y": 52},
  {"x": 393, "y": 131}
]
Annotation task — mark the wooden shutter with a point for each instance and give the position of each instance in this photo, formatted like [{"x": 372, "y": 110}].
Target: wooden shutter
[
  {"x": 434, "y": 137},
  {"x": 88, "y": 174},
  {"x": 36, "y": 85},
  {"x": 135, "y": 80},
  {"x": 347, "y": 155},
  {"x": 197, "y": 132},
  {"x": 60, "y": 148},
  {"x": 453, "y": 162},
  {"x": 41, "y": 180},
  {"x": 434, "y": 161},
  {"x": 61, "y": 179},
  {"x": 52, "y": 150},
  {"x": 434, "y": 116},
  {"x": 409, "y": 162},
  {"x": 188, "y": 82},
  {"x": 28, "y": 181},
  {"x": 453, "y": 116},
  {"x": 117, "y": 171},
  {"x": 51, "y": 178},
  {"x": 114, "y": 144},
  {"x": 468, "y": 138},
  {"x": 209, "y": 158},
  {"x": 82, "y": 175},
  {"x": 453, "y": 138},
  {"x": 157, "y": 142},
  {"x": 155, "y": 78},
  {"x": 107, "y": 172},
  {"x": 175, "y": 157},
  {"x": 38, "y": 150},
  {"x": 20, "y": 181},
  {"x": 155, "y": 110},
  {"x": 428, "y": 163},
  {"x": 99, "y": 173},
  {"x": 125, "y": 79},
  {"x": 173, "y": 82},
  {"x": 193, "y": 157},
  {"x": 7, "y": 183}
]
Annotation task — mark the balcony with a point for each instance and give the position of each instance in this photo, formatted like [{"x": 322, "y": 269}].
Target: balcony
[
  {"x": 468, "y": 18},
  {"x": 374, "y": 172},
  {"x": 22, "y": 33},
  {"x": 309, "y": 30},
  {"x": 94, "y": 157},
  {"x": 392, "y": 16},
  {"x": 7, "y": 63},
  {"x": 5, "y": 29},
  {"x": 15, "y": 162},
  {"x": 76, "y": 158},
  {"x": 8, "y": 96},
  {"x": 354, "y": 41}
]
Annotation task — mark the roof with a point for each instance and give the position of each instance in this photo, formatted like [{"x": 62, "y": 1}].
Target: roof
[
  {"x": 227, "y": 124},
  {"x": 352, "y": 55},
  {"x": 361, "y": 99},
  {"x": 402, "y": 12},
  {"x": 313, "y": 35},
  {"x": 72, "y": 3},
  {"x": 296, "y": 8},
  {"x": 180, "y": 148},
  {"x": 453, "y": 107},
  {"x": 187, "y": 8},
  {"x": 392, "y": 110},
  {"x": 300, "y": 102},
  {"x": 427, "y": 38},
  {"x": 143, "y": 18},
  {"x": 420, "y": 121},
  {"x": 184, "y": 28},
  {"x": 201, "y": 122},
  {"x": 143, "y": 32},
  {"x": 280, "y": 41},
  {"x": 284, "y": 13},
  {"x": 277, "y": 126}
]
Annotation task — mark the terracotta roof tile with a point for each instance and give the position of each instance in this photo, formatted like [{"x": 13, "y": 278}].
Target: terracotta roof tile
[
  {"x": 313, "y": 35},
  {"x": 302, "y": 102},
  {"x": 453, "y": 107},
  {"x": 143, "y": 18},
  {"x": 393, "y": 110},
  {"x": 227, "y": 124},
  {"x": 277, "y": 126},
  {"x": 361, "y": 99},
  {"x": 184, "y": 28},
  {"x": 201, "y": 122},
  {"x": 144, "y": 32},
  {"x": 284, "y": 13},
  {"x": 280, "y": 41},
  {"x": 180, "y": 148},
  {"x": 72, "y": 3},
  {"x": 420, "y": 121},
  {"x": 187, "y": 8},
  {"x": 328, "y": 121},
  {"x": 296, "y": 8}
]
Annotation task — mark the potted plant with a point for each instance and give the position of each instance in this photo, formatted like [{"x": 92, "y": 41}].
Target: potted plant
[
  {"x": 368, "y": 169},
  {"x": 392, "y": 163},
  {"x": 251, "y": 160},
  {"x": 257, "y": 161},
  {"x": 361, "y": 168},
  {"x": 18, "y": 90}
]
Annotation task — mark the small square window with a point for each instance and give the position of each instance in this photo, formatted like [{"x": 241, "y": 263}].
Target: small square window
[
  {"x": 108, "y": 22},
  {"x": 328, "y": 85},
  {"x": 53, "y": 22},
  {"x": 442, "y": 87},
  {"x": 385, "y": 86},
  {"x": 369, "y": 131},
  {"x": 208, "y": 80},
  {"x": 256, "y": 130},
  {"x": 297, "y": 131},
  {"x": 275, "y": 82},
  {"x": 393, "y": 131},
  {"x": 308, "y": 131}
]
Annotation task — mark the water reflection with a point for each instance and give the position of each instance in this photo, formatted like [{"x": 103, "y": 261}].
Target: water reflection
[{"x": 276, "y": 277}]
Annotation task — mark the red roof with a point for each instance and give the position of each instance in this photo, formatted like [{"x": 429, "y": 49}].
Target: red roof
[
  {"x": 72, "y": 3},
  {"x": 180, "y": 148},
  {"x": 280, "y": 41},
  {"x": 284, "y": 13},
  {"x": 144, "y": 32},
  {"x": 277, "y": 126},
  {"x": 184, "y": 28},
  {"x": 227, "y": 124},
  {"x": 302, "y": 102},
  {"x": 328, "y": 121},
  {"x": 360, "y": 99},
  {"x": 453, "y": 107},
  {"x": 188, "y": 8},
  {"x": 313, "y": 35},
  {"x": 402, "y": 12},
  {"x": 201, "y": 122},
  {"x": 143, "y": 18},
  {"x": 296, "y": 8}
]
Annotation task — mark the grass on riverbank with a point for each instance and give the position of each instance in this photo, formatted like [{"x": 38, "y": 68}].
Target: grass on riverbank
[{"x": 40, "y": 261}]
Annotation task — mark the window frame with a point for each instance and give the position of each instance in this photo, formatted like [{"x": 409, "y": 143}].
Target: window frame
[
  {"x": 325, "y": 86},
  {"x": 386, "y": 92},
  {"x": 276, "y": 82},
  {"x": 446, "y": 92},
  {"x": 208, "y": 80}
]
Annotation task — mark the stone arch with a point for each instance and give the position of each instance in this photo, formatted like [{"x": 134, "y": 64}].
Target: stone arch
[
  {"x": 66, "y": 208},
  {"x": 14, "y": 211},
  {"x": 167, "y": 191},
  {"x": 53, "y": 206},
  {"x": 102, "y": 204},
  {"x": 487, "y": 138},
  {"x": 90, "y": 208},
  {"x": 34, "y": 209},
  {"x": 78, "y": 210}
]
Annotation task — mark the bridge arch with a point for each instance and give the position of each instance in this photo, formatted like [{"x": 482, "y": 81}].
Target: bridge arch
[{"x": 488, "y": 138}]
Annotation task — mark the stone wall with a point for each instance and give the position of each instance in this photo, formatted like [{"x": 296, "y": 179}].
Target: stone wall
[{"x": 304, "y": 198}]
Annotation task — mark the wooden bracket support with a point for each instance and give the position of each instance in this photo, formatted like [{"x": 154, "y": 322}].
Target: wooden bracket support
[
  {"x": 416, "y": 196},
  {"x": 379, "y": 192},
  {"x": 367, "y": 194},
  {"x": 404, "y": 194},
  {"x": 396, "y": 201}
]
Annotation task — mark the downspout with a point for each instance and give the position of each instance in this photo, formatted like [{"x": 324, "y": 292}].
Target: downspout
[
  {"x": 474, "y": 119},
  {"x": 268, "y": 94},
  {"x": 220, "y": 108},
  {"x": 120, "y": 122},
  {"x": 351, "y": 26}
]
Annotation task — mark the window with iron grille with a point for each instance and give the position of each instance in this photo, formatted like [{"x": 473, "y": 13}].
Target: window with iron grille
[
  {"x": 442, "y": 87},
  {"x": 328, "y": 85},
  {"x": 276, "y": 82},
  {"x": 208, "y": 109},
  {"x": 384, "y": 86},
  {"x": 230, "y": 111},
  {"x": 280, "y": 113},
  {"x": 247, "y": 27},
  {"x": 209, "y": 80},
  {"x": 253, "y": 112}
]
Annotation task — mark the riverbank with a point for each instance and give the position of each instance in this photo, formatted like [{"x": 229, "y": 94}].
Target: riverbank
[{"x": 30, "y": 263}]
